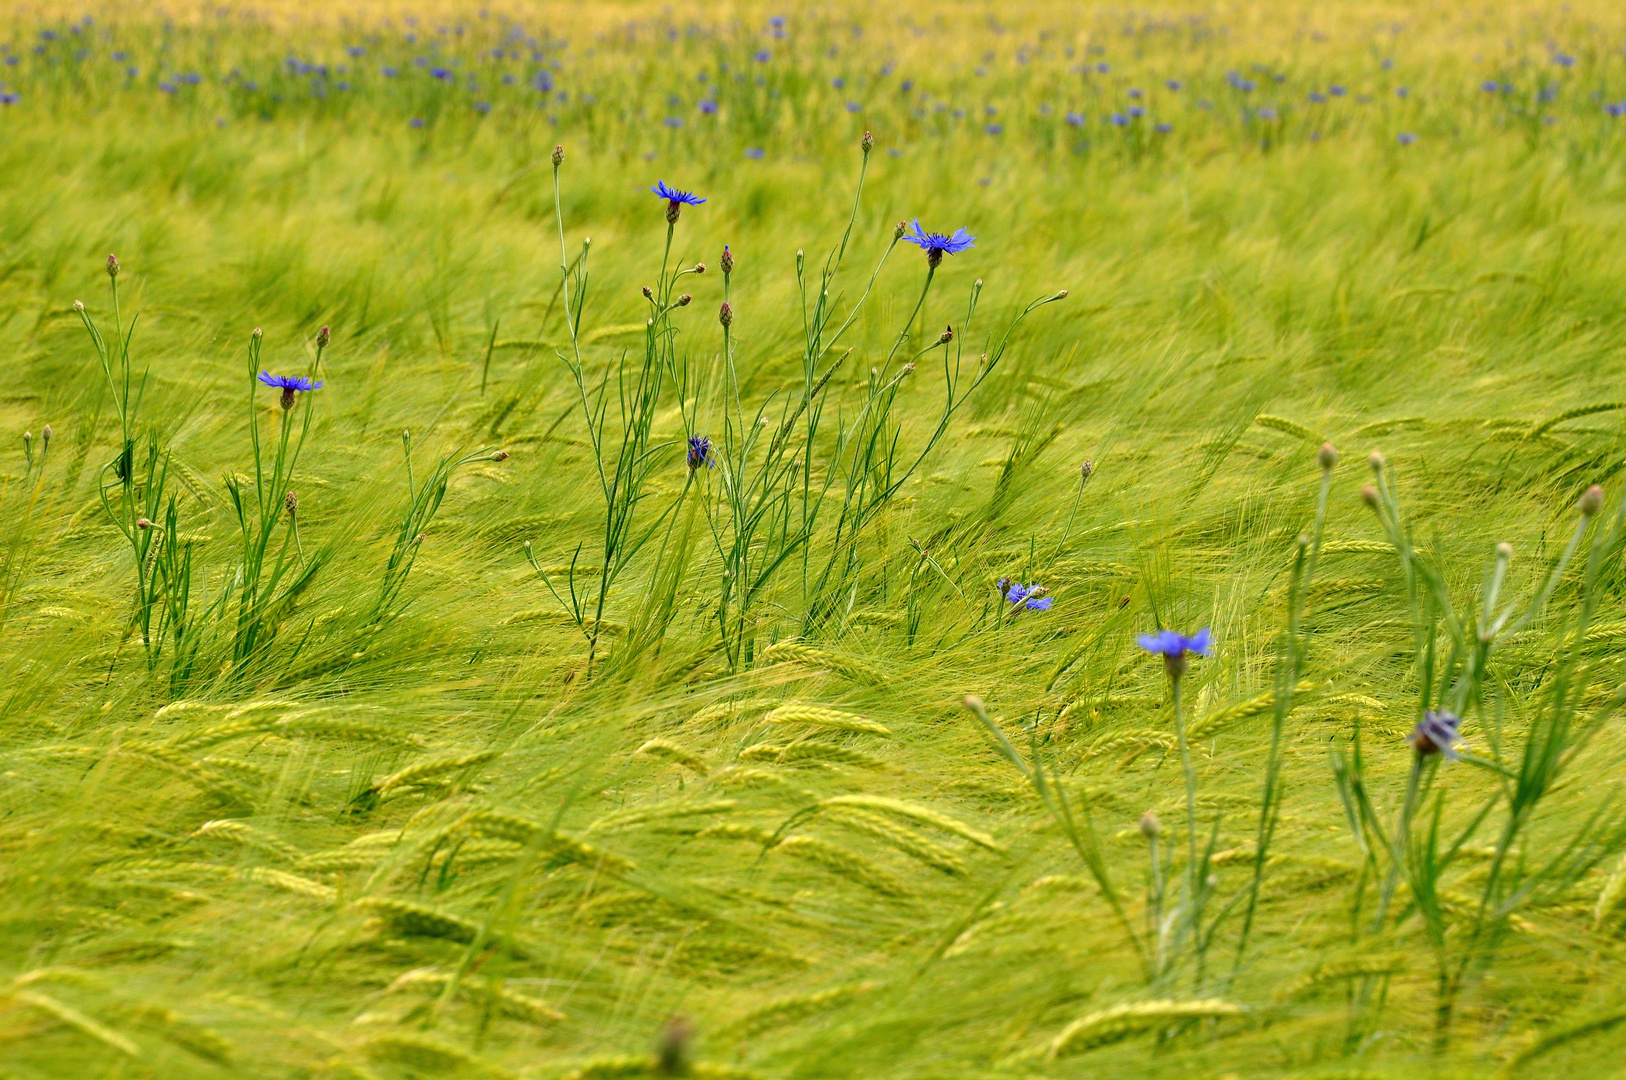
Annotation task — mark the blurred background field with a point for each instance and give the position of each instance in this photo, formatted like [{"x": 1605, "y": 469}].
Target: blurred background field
[{"x": 412, "y": 829}]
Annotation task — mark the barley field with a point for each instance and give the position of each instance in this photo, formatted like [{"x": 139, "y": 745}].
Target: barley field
[{"x": 535, "y": 546}]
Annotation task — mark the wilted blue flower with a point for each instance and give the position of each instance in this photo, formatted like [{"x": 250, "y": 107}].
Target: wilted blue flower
[
  {"x": 1407, "y": 138},
  {"x": 289, "y": 384},
  {"x": 699, "y": 452},
  {"x": 1436, "y": 733},
  {"x": 936, "y": 245}
]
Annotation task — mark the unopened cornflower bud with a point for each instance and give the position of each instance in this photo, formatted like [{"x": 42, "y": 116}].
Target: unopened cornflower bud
[
  {"x": 558, "y": 156},
  {"x": 727, "y": 261},
  {"x": 700, "y": 268},
  {"x": 1376, "y": 460},
  {"x": 1087, "y": 469},
  {"x": 499, "y": 455},
  {"x": 1369, "y": 496},
  {"x": 1592, "y": 501},
  {"x": 1150, "y": 826},
  {"x": 419, "y": 538},
  {"x": 258, "y": 333},
  {"x": 78, "y": 305},
  {"x": 899, "y": 229},
  {"x": 1327, "y": 456},
  {"x": 323, "y": 336},
  {"x": 946, "y": 336},
  {"x": 684, "y": 300},
  {"x": 725, "y": 314},
  {"x": 290, "y": 503},
  {"x": 648, "y": 294},
  {"x": 1302, "y": 540},
  {"x": 143, "y": 523},
  {"x": 972, "y": 702},
  {"x": 867, "y": 143},
  {"x": 112, "y": 266},
  {"x": 1061, "y": 294},
  {"x": 1504, "y": 550},
  {"x": 28, "y": 438},
  {"x": 909, "y": 368},
  {"x": 45, "y": 435}
]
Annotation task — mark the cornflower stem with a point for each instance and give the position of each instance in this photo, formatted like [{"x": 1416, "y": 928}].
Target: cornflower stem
[
  {"x": 1400, "y": 842},
  {"x": 1192, "y": 899},
  {"x": 564, "y": 272},
  {"x": 903, "y": 335}
]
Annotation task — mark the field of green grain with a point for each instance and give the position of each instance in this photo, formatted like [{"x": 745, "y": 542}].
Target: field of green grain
[{"x": 742, "y": 678}]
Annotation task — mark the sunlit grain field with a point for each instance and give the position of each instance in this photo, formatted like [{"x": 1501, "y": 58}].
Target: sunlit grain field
[{"x": 642, "y": 656}]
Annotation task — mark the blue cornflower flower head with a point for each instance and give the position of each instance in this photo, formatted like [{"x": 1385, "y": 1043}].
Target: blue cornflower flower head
[
  {"x": 708, "y": 107},
  {"x": 906, "y": 85},
  {"x": 1490, "y": 86},
  {"x": 191, "y": 78},
  {"x": 1614, "y": 110},
  {"x": 1402, "y": 92},
  {"x": 289, "y": 385},
  {"x": 1436, "y": 733},
  {"x": 1564, "y": 60},
  {"x": 1267, "y": 113},
  {"x": 1507, "y": 88},
  {"x": 1407, "y": 138},
  {"x": 1019, "y": 596},
  {"x": 700, "y": 453},
  {"x": 1136, "y": 111},
  {"x": 674, "y": 121},
  {"x": 1174, "y": 84},
  {"x": 853, "y": 106},
  {"x": 1317, "y": 98},
  {"x": 675, "y": 199},
  {"x": 838, "y": 82},
  {"x": 776, "y": 20},
  {"x": 389, "y": 72},
  {"x": 936, "y": 245},
  {"x": 356, "y": 52},
  {"x": 10, "y": 97},
  {"x": 755, "y": 153},
  {"x": 168, "y": 88},
  {"x": 1337, "y": 91},
  {"x": 479, "y": 106},
  {"x": 995, "y": 129},
  {"x": 1120, "y": 119},
  {"x": 1103, "y": 67},
  {"x": 1075, "y": 119},
  {"x": 1163, "y": 129},
  {"x": 1134, "y": 92},
  {"x": 1173, "y": 646},
  {"x": 416, "y": 121},
  {"x": 762, "y": 56}
]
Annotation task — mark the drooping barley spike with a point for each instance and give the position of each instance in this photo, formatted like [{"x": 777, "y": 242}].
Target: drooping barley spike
[
  {"x": 794, "y": 652},
  {"x": 666, "y": 748},
  {"x": 282, "y": 879},
  {"x": 1132, "y": 744},
  {"x": 743, "y": 777},
  {"x": 423, "y": 772},
  {"x": 561, "y": 848},
  {"x": 923, "y": 815},
  {"x": 1218, "y": 721},
  {"x": 1107, "y": 1026},
  {"x": 820, "y": 716},
  {"x": 1332, "y": 971},
  {"x": 1334, "y": 587},
  {"x": 827, "y": 753},
  {"x": 192, "y": 771},
  {"x": 243, "y": 833},
  {"x": 510, "y": 1002},
  {"x": 1282, "y": 424},
  {"x": 425, "y": 1054},
  {"x": 175, "y": 1028},
  {"x": 843, "y": 863},
  {"x": 347, "y": 730},
  {"x": 638, "y": 815},
  {"x": 726, "y": 710},
  {"x": 68, "y": 1016},
  {"x": 728, "y": 830},
  {"x": 1574, "y": 414},
  {"x": 875, "y": 618},
  {"x": 407, "y": 919},
  {"x": 886, "y": 830},
  {"x": 788, "y": 1010}
]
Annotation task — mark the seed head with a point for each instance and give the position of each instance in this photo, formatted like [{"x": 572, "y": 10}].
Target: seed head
[
  {"x": 1369, "y": 496},
  {"x": 499, "y": 455},
  {"x": 558, "y": 156},
  {"x": 1376, "y": 460},
  {"x": 112, "y": 266},
  {"x": 1327, "y": 456},
  {"x": 1591, "y": 502},
  {"x": 290, "y": 502},
  {"x": 1150, "y": 826},
  {"x": 725, "y": 314},
  {"x": 727, "y": 261},
  {"x": 934, "y": 258},
  {"x": 672, "y": 1048},
  {"x": 867, "y": 143},
  {"x": 323, "y": 336},
  {"x": 685, "y": 300},
  {"x": 946, "y": 336}
]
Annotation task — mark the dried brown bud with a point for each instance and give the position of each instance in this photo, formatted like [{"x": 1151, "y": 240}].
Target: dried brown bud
[
  {"x": 1327, "y": 456},
  {"x": 867, "y": 143},
  {"x": 1150, "y": 826},
  {"x": 1369, "y": 496},
  {"x": 1591, "y": 502},
  {"x": 112, "y": 266},
  {"x": 323, "y": 336},
  {"x": 685, "y": 300},
  {"x": 290, "y": 502},
  {"x": 558, "y": 156},
  {"x": 725, "y": 314},
  {"x": 499, "y": 455}
]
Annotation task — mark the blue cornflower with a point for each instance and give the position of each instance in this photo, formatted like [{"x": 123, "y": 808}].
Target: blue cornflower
[
  {"x": 1173, "y": 647},
  {"x": 289, "y": 384},
  {"x": 995, "y": 129},
  {"x": 1134, "y": 92},
  {"x": 1407, "y": 138},
  {"x": 388, "y": 73},
  {"x": 1436, "y": 733},
  {"x": 936, "y": 245},
  {"x": 356, "y": 52},
  {"x": 1336, "y": 91},
  {"x": 1163, "y": 129},
  {"x": 168, "y": 88},
  {"x": 755, "y": 153},
  {"x": 674, "y": 121},
  {"x": 708, "y": 107},
  {"x": 1136, "y": 112},
  {"x": 700, "y": 452},
  {"x": 1103, "y": 67},
  {"x": 1173, "y": 84},
  {"x": 416, "y": 121},
  {"x": 1120, "y": 119},
  {"x": 1075, "y": 119},
  {"x": 1564, "y": 60},
  {"x": 1490, "y": 86},
  {"x": 479, "y": 106},
  {"x": 906, "y": 85},
  {"x": 762, "y": 56},
  {"x": 1019, "y": 596},
  {"x": 675, "y": 200}
]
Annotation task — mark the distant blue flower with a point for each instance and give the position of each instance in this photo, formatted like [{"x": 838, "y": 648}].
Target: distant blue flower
[
  {"x": 1615, "y": 110},
  {"x": 762, "y": 56},
  {"x": 1564, "y": 60},
  {"x": 1507, "y": 88},
  {"x": 9, "y": 97},
  {"x": 1436, "y": 733},
  {"x": 190, "y": 78},
  {"x": 708, "y": 107},
  {"x": 1267, "y": 113},
  {"x": 1136, "y": 111},
  {"x": 1103, "y": 67},
  {"x": 1120, "y": 119},
  {"x": 1163, "y": 129},
  {"x": 754, "y": 153},
  {"x": 479, "y": 106},
  {"x": 936, "y": 245},
  {"x": 995, "y": 129},
  {"x": 700, "y": 452},
  {"x": 389, "y": 72},
  {"x": 906, "y": 85},
  {"x": 1401, "y": 92},
  {"x": 1134, "y": 92},
  {"x": 1317, "y": 98},
  {"x": 1490, "y": 86},
  {"x": 776, "y": 20},
  {"x": 356, "y": 52},
  {"x": 542, "y": 81},
  {"x": 1172, "y": 643},
  {"x": 168, "y": 88},
  {"x": 838, "y": 82},
  {"x": 416, "y": 121},
  {"x": 120, "y": 56},
  {"x": 1336, "y": 91},
  {"x": 443, "y": 74},
  {"x": 853, "y": 106},
  {"x": 508, "y": 79},
  {"x": 1173, "y": 84},
  {"x": 1075, "y": 119},
  {"x": 674, "y": 121},
  {"x": 1407, "y": 138},
  {"x": 674, "y": 196}
]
